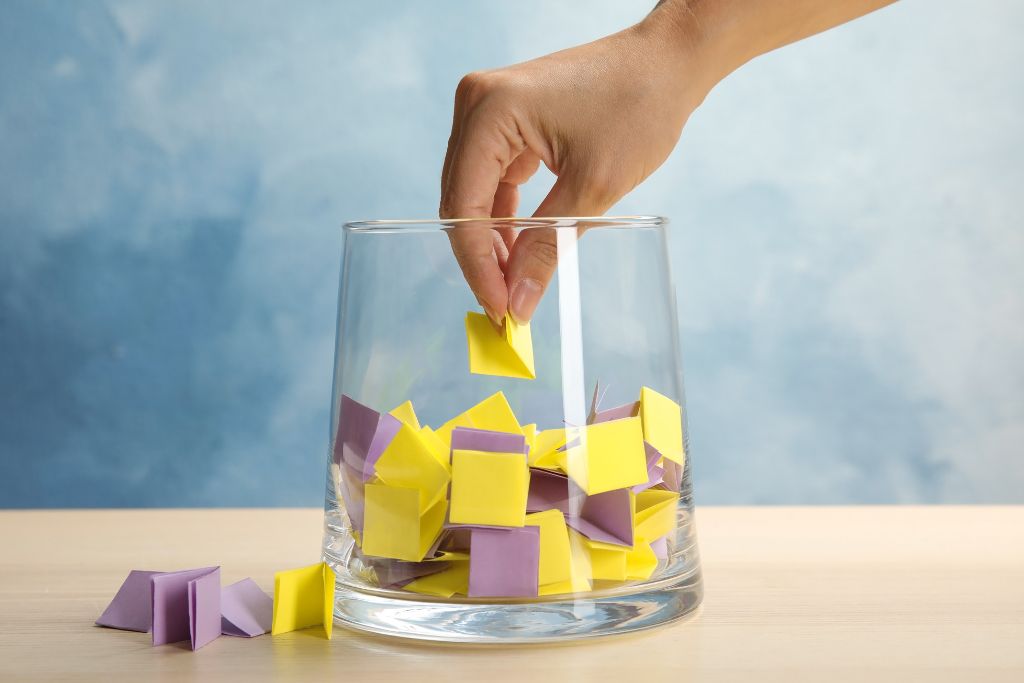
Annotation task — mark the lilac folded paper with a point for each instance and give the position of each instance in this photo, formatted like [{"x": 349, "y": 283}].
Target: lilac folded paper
[
  {"x": 504, "y": 562},
  {"x": 660, "y": 547},
  {"x": 617, "y": 413},
  {"x": 672, "y": 478},
  {"x": 363, "y": 434},
  {"x": 595, "y": 401},
  {"x": 185, "y": 606},
  {"x": 132, "y": 607},
  {"x": 469, "y": 439},
  {"x": 655, "y": 472},
  {"x": 245, "y": 610},
  {"x": 548, "y": 491},
  {"x": 597, "y": 415},
  {"x": 606, "y": 517},
  {"x": 204, "y": 613}
]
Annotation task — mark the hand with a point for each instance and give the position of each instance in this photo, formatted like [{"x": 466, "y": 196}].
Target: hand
[{"x": 602, "y": 117}]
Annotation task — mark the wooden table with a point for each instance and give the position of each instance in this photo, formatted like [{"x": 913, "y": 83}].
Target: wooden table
[{"x": 822, "y": 594}]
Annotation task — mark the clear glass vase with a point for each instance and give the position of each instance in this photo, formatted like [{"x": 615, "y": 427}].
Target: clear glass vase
[{"x": 512, "y": 483}]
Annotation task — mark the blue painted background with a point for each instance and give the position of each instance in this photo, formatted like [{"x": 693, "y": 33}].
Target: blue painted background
[{"x": 848, "y": 242}]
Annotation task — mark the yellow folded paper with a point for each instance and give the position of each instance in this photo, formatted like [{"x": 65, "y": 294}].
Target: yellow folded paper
[
  {"x": 407, "y": 415},
  {"x": 393, "y": 526},
  {"x": 579, "y": 581},
  {"x": 663, "y": 424},
  {"x": 493, "y": 413},
  {"x": 489, "y": 488},
  {"x": 641, "y": 560},
  {"x": 555, "y": 553},
  {"x": 302, "y": 598},
  {"x": 409, "y": 462},
  {"x": 545, "y": 451},
  {"x": 655, "y": 513},
  {"x": 444, "y": 584},
  {"x": 508, "y": 353},
  {"x": 610, "y": 455},
  {"x": 607, "y": 561}
]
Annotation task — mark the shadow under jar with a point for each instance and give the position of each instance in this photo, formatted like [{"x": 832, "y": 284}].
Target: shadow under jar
[{"x": 509, "y": 483}]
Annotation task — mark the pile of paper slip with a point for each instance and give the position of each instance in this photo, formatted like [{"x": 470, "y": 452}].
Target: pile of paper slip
[
  {"x": 192, "y": 606},
  {"x": 483, "y": 506}
]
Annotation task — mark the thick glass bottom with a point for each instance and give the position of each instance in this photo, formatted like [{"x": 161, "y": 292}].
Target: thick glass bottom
[{"x": 527, "y": 622}]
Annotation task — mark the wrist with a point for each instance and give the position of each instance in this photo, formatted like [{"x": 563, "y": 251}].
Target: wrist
[{"x": 691, "y": 34}]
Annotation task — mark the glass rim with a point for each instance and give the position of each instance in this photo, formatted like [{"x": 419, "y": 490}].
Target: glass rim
[{"x": 430, "y": 224}]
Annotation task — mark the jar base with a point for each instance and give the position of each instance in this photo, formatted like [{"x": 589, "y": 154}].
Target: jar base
[{"x": 527, "y": 622}]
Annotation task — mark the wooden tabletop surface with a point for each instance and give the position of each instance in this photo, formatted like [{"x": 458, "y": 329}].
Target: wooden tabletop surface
[{"x": 813, "y": 593}]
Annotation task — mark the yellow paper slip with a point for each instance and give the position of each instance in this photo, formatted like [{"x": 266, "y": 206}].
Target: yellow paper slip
[
  {"x": 454, "y": 580},
  {"x": 409, "y": 462},
  {"x": 304, "y": 598},
  {"x": 607, "y": 561},
  {"x": 493, "y": 413},
  {"x": 508, "y": 353},
  {"x": 555, "y": 553},
  {"x": 609, "y": 456},
  {"x": 489, "y": 488},
  {"x": 407, "y": 415},
  {"x": 393, "y": 526},
  {"x": 655, "y": 513},
  {"x": 663, "y": 424},
  {"x": 641, "y": 561}
]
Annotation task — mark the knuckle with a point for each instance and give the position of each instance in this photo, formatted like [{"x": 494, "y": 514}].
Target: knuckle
[
  {"x": 474, "y": 86},
  {"x": 545, "y": 251}
]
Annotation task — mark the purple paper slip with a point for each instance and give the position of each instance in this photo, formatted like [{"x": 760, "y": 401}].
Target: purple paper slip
[
  {"x": 548, "y": 491},
  {"x": 387, "y": 427},
  {"x": 469, "y": 439},
  {"x": 172, "y": 606},
  {"x": 204, "y": 609},
  {"x": 397, "y": 573},
  {"x": 617, "y": 413},
  {"x": 606, "y": 517},
  {"x": 131, "y": 609},
  {"x": 246, "y": 611},
  {"x": 504, "y": 562},
  {"x": 363, "y": 434},
  {"x": 660, "y": 547},
  {"x": 655, "y": 472}
]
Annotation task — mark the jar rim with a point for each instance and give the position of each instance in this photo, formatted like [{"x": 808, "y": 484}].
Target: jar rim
[{"x": 430, "y": 224}]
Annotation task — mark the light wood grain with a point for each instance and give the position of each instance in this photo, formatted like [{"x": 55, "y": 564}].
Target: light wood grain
[{"x": 836, "y": 594}]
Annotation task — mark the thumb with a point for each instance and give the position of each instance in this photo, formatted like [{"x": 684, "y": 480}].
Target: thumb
[{"x": 534, "y": 255}]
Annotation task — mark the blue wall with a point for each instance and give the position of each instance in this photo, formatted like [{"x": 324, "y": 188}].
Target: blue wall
[{"x": 848, "y": 242}]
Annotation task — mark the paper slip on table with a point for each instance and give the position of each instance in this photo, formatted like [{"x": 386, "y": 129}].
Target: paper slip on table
[{"x": 792, "y": 593}]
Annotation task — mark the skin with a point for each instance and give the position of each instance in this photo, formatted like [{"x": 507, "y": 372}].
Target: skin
[{"x": 602, "y": 117}]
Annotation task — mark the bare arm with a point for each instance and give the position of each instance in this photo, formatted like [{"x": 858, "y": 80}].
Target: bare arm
[{"x": 602, "y": 117}]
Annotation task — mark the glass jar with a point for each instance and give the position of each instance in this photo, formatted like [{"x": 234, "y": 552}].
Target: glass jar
[{"x": 509, "y": 483}]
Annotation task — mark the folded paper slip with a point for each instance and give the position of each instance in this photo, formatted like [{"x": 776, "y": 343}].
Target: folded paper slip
[
  {"x": 508, "y": 353},
  {"x": 132, "y": 607},
  {"x": 394, "y": 526},
  {"x": 504, "y": 562},
  {"x": 663, "y": 425},
  {"x": 303, "y": 598},
  {"x": 186, "y": 606},
  {"x": 246, "y": 611},
  {"x": 489, "y": 488},
  {"x": 362, "y": 436}
]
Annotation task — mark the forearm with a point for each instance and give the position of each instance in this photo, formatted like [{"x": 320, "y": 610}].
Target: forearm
[{"x": 722, "y": 35}]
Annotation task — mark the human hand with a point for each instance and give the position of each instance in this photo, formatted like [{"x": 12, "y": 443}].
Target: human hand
[{"x": 602, "y": 117}]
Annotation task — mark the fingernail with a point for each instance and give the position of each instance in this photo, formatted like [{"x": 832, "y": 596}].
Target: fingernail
[{"x": 524, "y": 299}]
